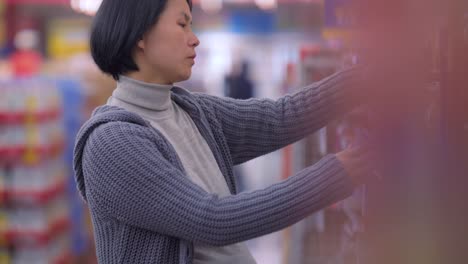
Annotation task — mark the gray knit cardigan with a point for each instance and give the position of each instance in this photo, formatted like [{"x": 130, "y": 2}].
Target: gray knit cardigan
[{"x": 146, "y": 210}]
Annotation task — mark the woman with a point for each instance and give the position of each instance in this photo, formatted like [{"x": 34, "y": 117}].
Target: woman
[{"x": 155, "y": 164}]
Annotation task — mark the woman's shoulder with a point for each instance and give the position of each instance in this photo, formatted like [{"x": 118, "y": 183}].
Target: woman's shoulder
[
  {"x": 110, "y": 113},
  {"x": 116, "y": 124}
]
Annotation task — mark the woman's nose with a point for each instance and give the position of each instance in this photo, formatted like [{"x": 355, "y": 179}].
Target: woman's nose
[{"x": 194, "y": 41}]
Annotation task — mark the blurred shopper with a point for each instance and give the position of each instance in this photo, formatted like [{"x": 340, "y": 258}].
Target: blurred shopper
[
  {"x": 155, "y": 164},
  {"x": 238, "y": 84}
]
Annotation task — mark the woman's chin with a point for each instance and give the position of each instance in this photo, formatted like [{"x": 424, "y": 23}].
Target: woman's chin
[{"x": 185, "y": 76}]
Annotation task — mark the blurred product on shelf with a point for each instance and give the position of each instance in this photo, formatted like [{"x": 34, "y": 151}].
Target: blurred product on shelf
[
  {"x": 30, "y": 113},
  {"x": 26, "y": 60},
  {"x": 36, "y": 223}
]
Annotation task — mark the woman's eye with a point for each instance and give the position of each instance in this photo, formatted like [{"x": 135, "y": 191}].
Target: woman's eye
[{"x": 182, "y": 25}]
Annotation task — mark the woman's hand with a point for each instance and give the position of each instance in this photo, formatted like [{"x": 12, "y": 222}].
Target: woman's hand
[{"x": 358, "y": 163}]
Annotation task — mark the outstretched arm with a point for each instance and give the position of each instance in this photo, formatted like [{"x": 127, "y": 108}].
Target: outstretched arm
[{"x": 127, "y": 178}]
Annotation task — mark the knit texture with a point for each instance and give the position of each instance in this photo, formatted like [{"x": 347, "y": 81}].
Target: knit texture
[
  {"x": 153, "y": 102},
  {"x": 145, "y": 209}
]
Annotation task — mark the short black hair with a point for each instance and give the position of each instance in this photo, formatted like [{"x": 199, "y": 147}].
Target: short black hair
[{"x": 117, "y": 28}]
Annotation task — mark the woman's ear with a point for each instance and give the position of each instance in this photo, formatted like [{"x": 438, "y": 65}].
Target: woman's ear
[{"x": 141, "y": 43}]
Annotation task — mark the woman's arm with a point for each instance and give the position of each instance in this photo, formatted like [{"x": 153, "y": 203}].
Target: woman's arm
[
  {"x": 256, "y": 127},
  {"x": 128, "y": 179}
]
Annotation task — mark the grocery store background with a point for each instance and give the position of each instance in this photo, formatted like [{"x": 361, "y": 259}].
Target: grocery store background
[{"x": 49, "y": 85}]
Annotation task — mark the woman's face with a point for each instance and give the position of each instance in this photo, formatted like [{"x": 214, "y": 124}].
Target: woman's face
[{"x": 166, "y": 53}]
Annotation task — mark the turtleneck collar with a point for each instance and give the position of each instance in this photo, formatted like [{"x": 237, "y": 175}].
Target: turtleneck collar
[{"x": 151, "y": 96}]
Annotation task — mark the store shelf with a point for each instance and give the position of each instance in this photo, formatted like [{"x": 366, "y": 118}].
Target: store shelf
[
  {"x": 35, "y": 176},
  {"x": 24, "y": 117},
  {"x": 25, "y": 238},
  {"x": 30, "y": 154},
  {"x": 36, "y": 197}
]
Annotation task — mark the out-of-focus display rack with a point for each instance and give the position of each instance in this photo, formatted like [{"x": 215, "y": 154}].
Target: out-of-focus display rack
[{"x": 35, "y": 222}]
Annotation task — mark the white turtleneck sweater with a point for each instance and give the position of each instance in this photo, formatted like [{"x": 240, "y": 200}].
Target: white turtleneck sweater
[{"x": 153, "y": 103}]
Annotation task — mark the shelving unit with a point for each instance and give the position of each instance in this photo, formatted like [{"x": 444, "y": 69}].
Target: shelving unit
[{"x": 34, "y": 215}]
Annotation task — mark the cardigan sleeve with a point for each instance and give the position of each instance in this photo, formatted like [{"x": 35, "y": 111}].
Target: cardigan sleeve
[
  {"x": 129, "y": 178},
  {"x": 255, "y": 127}
]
